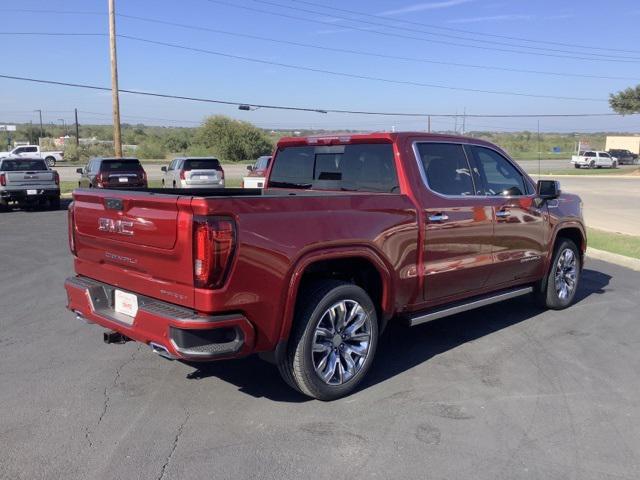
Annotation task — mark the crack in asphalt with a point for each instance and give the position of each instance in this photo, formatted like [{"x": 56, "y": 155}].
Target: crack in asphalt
[
  {"x": 175, "y": 445},
  {"x": 107, "y": 396}
]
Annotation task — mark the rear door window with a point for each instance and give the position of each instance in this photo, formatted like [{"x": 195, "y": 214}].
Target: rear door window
[
  {"x": 446, "y": 168},
  {"x": 355, "y": 167},
  {"x": 202, "y": 164},
  {"x": 120, "y": 165},
  {"x": 23, "y": 164}
]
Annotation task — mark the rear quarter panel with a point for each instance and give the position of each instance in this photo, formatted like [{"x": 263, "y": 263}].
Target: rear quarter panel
[{"x": 276, "y": 233}]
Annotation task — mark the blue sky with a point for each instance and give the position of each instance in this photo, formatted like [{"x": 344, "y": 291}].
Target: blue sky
[{"x": 613, "y": 27}]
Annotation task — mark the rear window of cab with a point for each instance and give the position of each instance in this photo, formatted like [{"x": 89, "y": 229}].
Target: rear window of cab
[
  {"x": 22, "y": 165},
  {"x": 120, "y": 165},
  {"x": 356, "y": 167}
]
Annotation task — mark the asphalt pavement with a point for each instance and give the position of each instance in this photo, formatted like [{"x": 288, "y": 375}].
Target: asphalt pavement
[{"x": 506, "y": 392}]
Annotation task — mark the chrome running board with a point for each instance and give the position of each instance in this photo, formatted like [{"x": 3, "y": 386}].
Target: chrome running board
[{"x": 469, "y": 305}]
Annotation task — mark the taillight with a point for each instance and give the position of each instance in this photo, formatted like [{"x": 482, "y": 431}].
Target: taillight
[
  {"x": 144, "y": 177},
  {"x": 3, "y": 179},
  {"x": 56, "y": 177},
  {"x": 182, "y": 172},
  {"x": 99, "y": 180},
  {"x": 221, "y": 172},
  {"x": 214, "y": 241},
  {"x": 71, "y": 228}
]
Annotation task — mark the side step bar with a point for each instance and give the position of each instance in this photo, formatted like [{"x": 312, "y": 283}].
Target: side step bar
[{"x": 477, "y": 302}]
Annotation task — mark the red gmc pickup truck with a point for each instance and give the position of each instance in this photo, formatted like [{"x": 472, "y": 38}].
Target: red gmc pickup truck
[{"x": 350, "y": 232}]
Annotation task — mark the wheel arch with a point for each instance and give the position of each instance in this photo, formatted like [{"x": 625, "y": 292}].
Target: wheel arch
[
  {"x": 360, "y": 263},
  {"x": 574, "y": 232}
]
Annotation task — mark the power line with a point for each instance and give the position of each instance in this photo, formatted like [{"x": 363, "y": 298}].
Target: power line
[
  {"x": 445, "y": 35},
  {"x": 368, "y": 53},
  {"x": 471, "y": 32},
  {"x": 354, "y": 75},
  {"x": 305, "y": 109},
  {"x": 398, "y": 35}
]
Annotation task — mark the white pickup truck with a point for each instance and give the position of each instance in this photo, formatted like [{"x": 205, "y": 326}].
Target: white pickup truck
[
  {"x": 34, "y": 151},
  {"x": 594, "y": 159}
]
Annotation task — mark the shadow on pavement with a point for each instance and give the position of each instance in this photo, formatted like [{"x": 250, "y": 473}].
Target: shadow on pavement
[{"x": 400, "y": 348}]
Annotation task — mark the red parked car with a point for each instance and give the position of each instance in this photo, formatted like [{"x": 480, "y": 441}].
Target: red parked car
[{"x": 350, "y": 233}]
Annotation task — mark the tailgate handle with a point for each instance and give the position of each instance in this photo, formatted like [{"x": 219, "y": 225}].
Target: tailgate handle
[{"x": 114, "y": 204}]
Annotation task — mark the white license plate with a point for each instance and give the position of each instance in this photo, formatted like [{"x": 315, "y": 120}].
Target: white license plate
[
  {"x": 32, "y": 192},
  {"x": 204, "y": 177},
  {"x": 126, "y": 303},
  {"x": 123, "y": 179}
]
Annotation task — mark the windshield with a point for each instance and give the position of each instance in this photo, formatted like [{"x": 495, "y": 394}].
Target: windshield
[
  {"x": 202, "y": 164},
  {"x": 358, "y": 167},
  {"x": 120, "y": 165},
  {"x": 22, "y": 164}
]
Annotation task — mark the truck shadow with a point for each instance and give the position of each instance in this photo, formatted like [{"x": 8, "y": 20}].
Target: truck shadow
[{"x": 400, "y": 348}]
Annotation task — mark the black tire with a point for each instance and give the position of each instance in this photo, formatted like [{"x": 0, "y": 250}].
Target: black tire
[
  {"x": 54, "y": 203},
  {"x": 297, "y": 365},
  {"x": 546, "y": 294},
  {"x": 592, "y": 164},
  {"x": 577, "y": 166},
  {"x": 51, "y": 161},
  {"x": 614, "y": 165}
]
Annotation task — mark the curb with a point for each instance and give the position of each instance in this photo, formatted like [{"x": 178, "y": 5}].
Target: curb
[
  {"x": 624, "y": 175},
  {"x": 628, "y": 262}
]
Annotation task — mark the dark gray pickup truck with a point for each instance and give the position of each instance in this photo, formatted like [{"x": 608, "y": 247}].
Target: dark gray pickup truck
[{"x": 28, "y": 182}]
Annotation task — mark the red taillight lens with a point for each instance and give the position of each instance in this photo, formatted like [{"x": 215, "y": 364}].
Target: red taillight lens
[
  {"x": 182, "y": 172},
  {"x": 214, "y": 241},
  {"x": 3, "y": 179},
  {"x": 56, "y": 177},
  {"x": 143, "y": 176},
  {"x": 71, "y": 227},
  {"x": 99, "y": 180},
  {"x": 221, "y": 172}
]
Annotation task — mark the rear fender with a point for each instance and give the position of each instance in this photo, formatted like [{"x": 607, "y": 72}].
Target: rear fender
[{"x": 291, "y": 294}]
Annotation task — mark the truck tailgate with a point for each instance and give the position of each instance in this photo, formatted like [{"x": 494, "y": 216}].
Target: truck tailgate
[
  {"x": 27, "y": 179},
  {"x": 136, "y": 241}
]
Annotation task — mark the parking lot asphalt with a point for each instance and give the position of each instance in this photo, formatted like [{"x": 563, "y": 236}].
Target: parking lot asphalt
[{"x": 505, "y": 392}]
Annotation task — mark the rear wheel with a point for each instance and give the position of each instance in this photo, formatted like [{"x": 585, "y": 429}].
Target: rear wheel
[
  {"x": 592, "y": 164},
  {"x": 614, "y": 165},
  {"x": 51, "y": 161},
  {"x": 577, "y": 166},
  {"x": 54, "y": 203},
  {"x": 558, "y": 289},
  {"x": 333, "y": 340}
]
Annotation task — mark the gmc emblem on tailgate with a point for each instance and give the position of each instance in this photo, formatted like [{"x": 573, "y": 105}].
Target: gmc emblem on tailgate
[{"x": 123, "y": 227}]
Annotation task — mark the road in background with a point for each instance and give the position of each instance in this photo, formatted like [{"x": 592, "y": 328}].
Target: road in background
[{"x": 505, "y": 392}]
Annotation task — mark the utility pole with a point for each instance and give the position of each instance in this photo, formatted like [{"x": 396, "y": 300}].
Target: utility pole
[
  {"x": 117, "y": 138},
  {"x": 77, "y": 128},
  {"x": 464, "y": 120},
  {"x": 41, "y": 129},
  {"x": 429, "y": 124}
]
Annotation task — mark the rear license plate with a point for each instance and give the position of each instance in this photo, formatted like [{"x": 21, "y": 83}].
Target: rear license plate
[
  {"x": 32, "y": 192},
  {"x": 123, "y": 179},
  {"x": 126, "y": 304},
  {"x": 204, "y": 177}
]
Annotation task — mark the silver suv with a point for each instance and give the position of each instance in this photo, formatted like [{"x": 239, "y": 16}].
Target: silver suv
[{"x": 193, "y": 172}]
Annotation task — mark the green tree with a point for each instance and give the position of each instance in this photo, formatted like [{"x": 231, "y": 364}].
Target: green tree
[
  {"x": 626, "y": 101},
  {"x": 232, "y": 139}
]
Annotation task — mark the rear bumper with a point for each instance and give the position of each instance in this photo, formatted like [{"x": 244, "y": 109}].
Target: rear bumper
[
  {"x": 23, "y": 195},
  {"x": 182, "y": 332},
  {"x": 200, "y": 184}
]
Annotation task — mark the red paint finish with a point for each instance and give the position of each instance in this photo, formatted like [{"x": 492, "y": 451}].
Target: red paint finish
[{"x": 281, "y": 233}]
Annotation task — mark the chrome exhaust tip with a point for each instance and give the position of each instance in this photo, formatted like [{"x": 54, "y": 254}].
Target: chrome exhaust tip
[{"x": 161, "y": 350}]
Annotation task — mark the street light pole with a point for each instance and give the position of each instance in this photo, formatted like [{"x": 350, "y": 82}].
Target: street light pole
[{"x": 117, "y": 137}]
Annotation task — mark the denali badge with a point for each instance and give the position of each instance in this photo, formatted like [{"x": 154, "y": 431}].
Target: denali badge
[{"x": 123, "y": 227}]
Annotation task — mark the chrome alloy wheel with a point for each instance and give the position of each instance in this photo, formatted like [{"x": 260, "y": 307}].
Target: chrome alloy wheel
[
  {"x": 566, "y": 271},
  {"x": 341, "y": 342}
]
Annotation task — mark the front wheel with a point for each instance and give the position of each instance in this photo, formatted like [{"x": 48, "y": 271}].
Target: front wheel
[
  {"x": 558, "y": 289},
  {"x": 614, "y": 165},
  {"x": 333, "y": 340},
  {"x": 51, "y": 161}
]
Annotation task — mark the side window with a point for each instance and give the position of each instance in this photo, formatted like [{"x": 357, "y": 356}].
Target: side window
[
  {"x": 590, "y": 154},
  {"x": 446, "y": 168},
  {"x": 31, "y": 149},
  {"x": 499, "y": 176},
  {"x": 18, "y": 151},
  {"x": 172, "y": 165},
  {"x": 605, "y": 155}
]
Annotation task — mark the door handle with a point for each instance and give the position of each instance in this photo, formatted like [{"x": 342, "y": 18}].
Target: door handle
[
  {"x": 438, "y": 217},
  {"x": 502, "y": 213}
]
